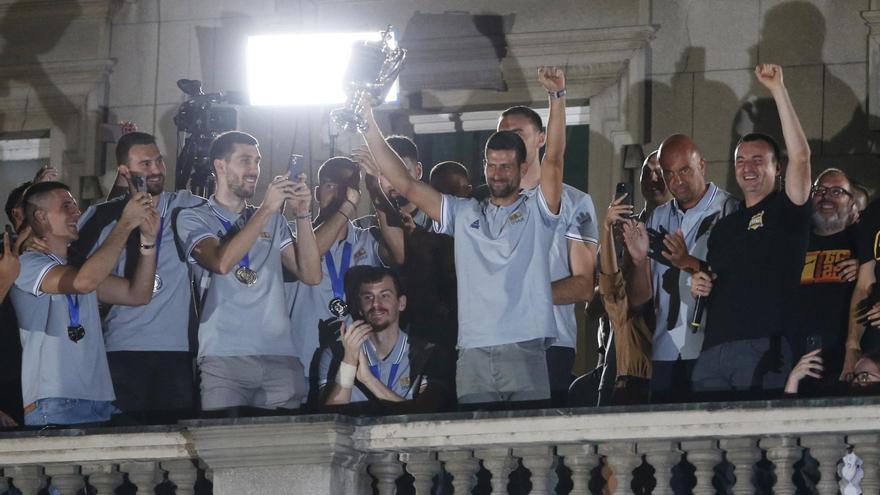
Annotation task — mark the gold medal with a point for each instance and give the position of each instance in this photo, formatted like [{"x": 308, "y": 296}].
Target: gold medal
[{"x": 246, "y": 276}]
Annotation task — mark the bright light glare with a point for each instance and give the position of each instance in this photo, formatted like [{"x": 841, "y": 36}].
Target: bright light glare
[{"x": 301, "y": 69}]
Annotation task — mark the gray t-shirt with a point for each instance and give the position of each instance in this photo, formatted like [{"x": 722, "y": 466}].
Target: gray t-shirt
[
  {"x": 52, "y": 365},
  {"x": 161, "y": 325},
  {"x": 673, "y": 334},
  {"x": 310, "y": 302},
  {"x": 502, "y": 261},
  {"x": 240, "y": 320},
  {"x": 393, "y": 371},
  {"x": 577, "y": 223}
]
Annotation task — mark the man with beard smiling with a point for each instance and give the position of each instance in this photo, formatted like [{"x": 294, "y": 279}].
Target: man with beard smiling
[
  {"x": 147, "y": 346},
  {"x": 375, "y": 360},
  {"x": 247, "y": 356}
]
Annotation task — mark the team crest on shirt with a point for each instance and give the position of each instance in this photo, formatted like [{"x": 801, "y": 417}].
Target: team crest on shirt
[
  {"x": 476, "y": 224},
  {"x": 265, "y": 235},
  {"x": 360, "y": 254},
  {"x": 515, "y": 217},
  {"x": 404, "y": 381},
  {"x": 757, "y": 221}
]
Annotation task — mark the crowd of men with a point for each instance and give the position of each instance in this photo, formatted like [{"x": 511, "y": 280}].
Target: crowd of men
[{"x": 155, "y": 306}]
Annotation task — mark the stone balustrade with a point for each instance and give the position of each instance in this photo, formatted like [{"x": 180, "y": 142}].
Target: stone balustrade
[{"x": 822, "y": 445}]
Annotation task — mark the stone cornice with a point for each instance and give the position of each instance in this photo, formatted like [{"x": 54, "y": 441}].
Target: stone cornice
[
  {"x": 99, "y": 447},
  {"x": 34, "y": 10}
]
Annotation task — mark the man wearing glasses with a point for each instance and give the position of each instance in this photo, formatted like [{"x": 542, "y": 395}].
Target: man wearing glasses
[{"x": 819, "y": 325}]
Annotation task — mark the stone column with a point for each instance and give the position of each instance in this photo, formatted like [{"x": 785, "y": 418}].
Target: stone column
[
  {"x": 782, "y": 452},
  {"x": 103, "y": 477},
  {"x": 539, "y": 460},
  {"x": 581, "y": 459},
  {"x": 827, "y": 449},
  {"x": 142, "y": 474},
  {"x": 704, "y": 455},
  {"x": 623, "y": 459},
  {"x": 66, "y": 478},
  {"x": 663, "y": 455},
  {"x": 183, "y": 473},
  {"x": 743, "y": 453},
  {"x": 28, "y": 479},
  {"x": 386, "y": 468},
  {"x": 499, "y": 463},
  {"x": 463, "y": 467},
  {"x": 867, "y": 447},
  {"x": 423, "y": 466},
  {"x": 280, "y": 455}
]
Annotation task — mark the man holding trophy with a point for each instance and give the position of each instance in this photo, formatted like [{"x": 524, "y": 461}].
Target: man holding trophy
[{"x": 504, "y": 327}]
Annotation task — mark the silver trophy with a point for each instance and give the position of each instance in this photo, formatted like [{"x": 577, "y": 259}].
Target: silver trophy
[{"x": 371, "y": 72}]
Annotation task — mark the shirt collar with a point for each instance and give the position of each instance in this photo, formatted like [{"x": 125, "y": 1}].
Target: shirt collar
[{"x": 704, "y": 202}]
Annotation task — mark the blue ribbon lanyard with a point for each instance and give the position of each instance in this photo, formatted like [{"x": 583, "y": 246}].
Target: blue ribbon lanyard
[
  {"x": 72, "y": 302},
  {"x": 395, "y": 366},
  {"x": 337, "y": 279},
  {"x": 245, "y": 261},
  {"x": 159, "y": 235}
]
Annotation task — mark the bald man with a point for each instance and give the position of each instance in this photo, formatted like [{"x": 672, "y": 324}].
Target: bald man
[{"x": 687, "y": 219}]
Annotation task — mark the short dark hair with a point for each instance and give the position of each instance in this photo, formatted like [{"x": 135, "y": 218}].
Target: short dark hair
[
  {"x": 527, "y": 113},
  {"x": 125, "y": 143},
  {"x": 35, "y": 193},
  {"x": 357, "y": 276},
  {"x": 404, "y": 146},
  {"x": 507, "y": 140},
  {"x": 757, "y": 136},
  {"x": 15, "y": 199},
  {"x": 449, "y": 168},
  {"x": 223, "y": 145},
  {"x": 338, "y": 169}
]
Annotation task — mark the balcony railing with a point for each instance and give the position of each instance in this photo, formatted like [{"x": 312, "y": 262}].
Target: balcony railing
[{"x": 728, "y": 447}]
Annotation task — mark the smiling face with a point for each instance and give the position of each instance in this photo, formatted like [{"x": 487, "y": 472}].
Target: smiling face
[
  {"x": 57, "y": 215},
  {"x": 146, "y": 161},
  {"x": 756, "y": 170},
  {"x": 240, "y": 172},
  {"x": 833, "y": 205},
  {"x": 381, "y": 304},
  {"x": 651, "y": 181},
  {"x": 503, "y": 174}
]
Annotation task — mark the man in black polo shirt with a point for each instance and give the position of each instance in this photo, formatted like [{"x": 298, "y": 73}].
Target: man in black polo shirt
[{"x": 756, "y": 257}]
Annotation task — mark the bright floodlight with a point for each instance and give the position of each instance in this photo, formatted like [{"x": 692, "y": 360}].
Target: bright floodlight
[{"x": 301, "y": 69}]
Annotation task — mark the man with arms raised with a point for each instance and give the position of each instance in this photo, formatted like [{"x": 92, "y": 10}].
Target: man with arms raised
[
  {"x": 502, "y": 259},
  {"x": 147, "y": 346},
  {"x": 757, "y": 255},
  {"x": 573, "y": 254},
  {"x": 247, "y": 355},
  {"x": 65, "y": 378}
]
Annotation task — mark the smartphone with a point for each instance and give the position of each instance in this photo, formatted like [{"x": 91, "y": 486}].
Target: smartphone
[
  {"x": 625, "y": 188},
  {"x": 139, "y": 183},
  {"x": 295, "y": 166},
  {"x": 813, "y": 342}
]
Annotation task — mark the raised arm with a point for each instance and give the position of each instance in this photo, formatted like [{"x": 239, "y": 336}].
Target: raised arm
[
  {"x": 797, "y": 174},
  {"x": 328, "y": 231},
  {"x": 392, "y": 168},
  {"x": 553, "y": 80},
  {"x": 223, "y": 257},
  {"x": 9, "y": 266},
  {"x": 302, "y": 258},
  {"x": 139, "y": 290},
  {"x": 68, "y": 279}
]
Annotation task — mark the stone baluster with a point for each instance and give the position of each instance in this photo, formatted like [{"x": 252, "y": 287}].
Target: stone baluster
[
  {"x": 704, "y": 455},
  {"x": 142, "y": 474},
  {"x": 423, "y": 466},
  {"x": 743, "y": 453},
  {"x": 463, "y": 467},
  {"x": 66, "y": 478},
  {"x": 867, "y": 447},
  {"x": 28, "y": 479},
  {"x": 539, "y": 460},
  {"x": 183, "y": 473},
  {"x": 499, "y": 462},
  {"x": 663, "y": 456},
  {"x": 827, "y": 449},
  {"x": 105, "y": 478},
  {"x": 783, "y": 452},
  {"x": 623, "y": 459},
  {"x": 4, "y": 483},
  {"x": 581, "y": 459},
  {"x": 386, "y": 468}
]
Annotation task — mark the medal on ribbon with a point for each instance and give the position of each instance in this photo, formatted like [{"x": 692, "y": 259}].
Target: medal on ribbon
[{"x": 338, "y": 306}]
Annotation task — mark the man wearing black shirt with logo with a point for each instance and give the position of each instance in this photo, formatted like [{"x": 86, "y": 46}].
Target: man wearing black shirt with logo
[
  {"x": 863, "y": 335},
  {"x": 756, "y": 256}
]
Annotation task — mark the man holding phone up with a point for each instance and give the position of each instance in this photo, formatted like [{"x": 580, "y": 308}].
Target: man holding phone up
[
  {"x": 147, "y": 346},
  {"x": 247, "y": 355}
]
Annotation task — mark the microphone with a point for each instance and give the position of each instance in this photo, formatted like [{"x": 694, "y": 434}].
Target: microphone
[{"x": 697, "y": 319}]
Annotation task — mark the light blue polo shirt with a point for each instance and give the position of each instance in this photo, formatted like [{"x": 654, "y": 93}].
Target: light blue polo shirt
[
  {"x": 52, "y": 365},
  {"x": 240, "y": 320},
  {"x": 676, "y": 339},
  {"x": 502, "y": 261},
  {"x": 393, "y": 369},
  {"x": 163, "y": 324}
]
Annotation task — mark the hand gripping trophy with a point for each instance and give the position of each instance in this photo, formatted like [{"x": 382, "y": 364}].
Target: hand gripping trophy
[{"x": 371, "y": 72}]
